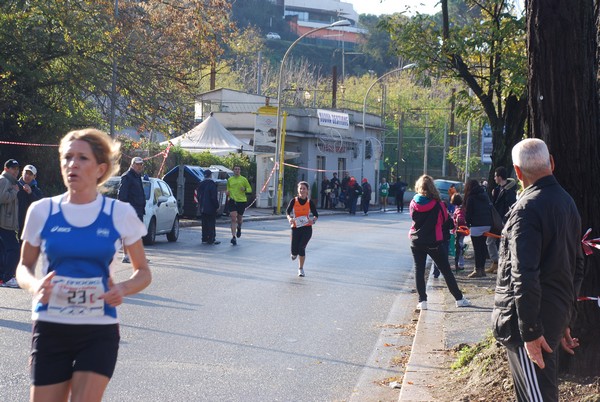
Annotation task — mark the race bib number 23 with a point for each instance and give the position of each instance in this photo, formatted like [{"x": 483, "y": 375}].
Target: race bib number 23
[{"x": 76, "y": 297}]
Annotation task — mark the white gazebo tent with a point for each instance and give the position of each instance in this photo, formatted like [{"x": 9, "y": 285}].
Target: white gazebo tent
[{"x": 211, "y": 136}]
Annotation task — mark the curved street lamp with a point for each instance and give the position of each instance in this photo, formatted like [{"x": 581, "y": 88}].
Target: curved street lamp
[
  {"x": 362, "y": 167},
  {"x": 279, "y": 146}
]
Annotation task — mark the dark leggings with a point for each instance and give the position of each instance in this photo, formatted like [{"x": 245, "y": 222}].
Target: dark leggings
[
  {"x": 458, "y": 250},
  {"x": 439, "y": 255},
  {"x": 480, "y": 249},
  {"x": 364, "y": 204},
  {"x": 300, "y": 238},
  {"x": 400, "y": 202}
]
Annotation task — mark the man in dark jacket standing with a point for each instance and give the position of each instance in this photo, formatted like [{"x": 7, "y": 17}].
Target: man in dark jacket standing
[
  {"x": 539, "y": 275},
  {"x": 29, "y": 192},
  {"x": 504, "y": 195},
  {"x": 9, "y": 224},
  {"x": 365, "y": 200},
  {"x": 131, "y": 190},
  {"x": 209, "y": 205}
]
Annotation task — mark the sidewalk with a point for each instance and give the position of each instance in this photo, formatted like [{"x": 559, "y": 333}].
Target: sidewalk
[
  {"x": 443, "y": 327},
  {"x": 264, "y": 214}
]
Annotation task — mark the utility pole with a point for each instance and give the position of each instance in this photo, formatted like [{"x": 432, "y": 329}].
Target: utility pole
[
  {"x": 445, "y": 149},
  {"x": 400, "y": 140},
  {"x": 426, "y": 147},
  {"x": 468, "y": 152},
  {"x": 113, "y": 86}
]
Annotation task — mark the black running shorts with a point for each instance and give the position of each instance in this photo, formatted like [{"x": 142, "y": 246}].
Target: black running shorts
[
  {"x": 239, "y": 207},
  {"x": 58, "y": 350}
]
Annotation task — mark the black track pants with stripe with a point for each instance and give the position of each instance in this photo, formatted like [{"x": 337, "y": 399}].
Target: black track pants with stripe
[{"x": 533, "y": 384}]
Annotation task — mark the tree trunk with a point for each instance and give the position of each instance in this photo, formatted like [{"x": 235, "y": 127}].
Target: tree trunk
[
  {"x": 506, "y": 133},
  {"x": 564, "y": 112}
]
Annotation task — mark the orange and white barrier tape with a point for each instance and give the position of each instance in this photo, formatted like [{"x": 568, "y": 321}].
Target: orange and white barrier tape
[
  {"x": 589, "y": 244},
  {"x": 27, "y": 144},
  {"x": 585, "y": 298}
]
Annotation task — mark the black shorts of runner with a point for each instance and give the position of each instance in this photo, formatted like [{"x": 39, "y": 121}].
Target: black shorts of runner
[
  {"x": 58, "y": 350},
  {"x": 300, "y": 239},
  {"x": 239, "y": 207}
]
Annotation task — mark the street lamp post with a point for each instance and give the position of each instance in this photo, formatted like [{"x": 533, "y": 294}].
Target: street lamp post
[
  {"x": 113, "y": 86},
  {"x": 362, "y": 167},
  {"x": 279, "y": 146}
]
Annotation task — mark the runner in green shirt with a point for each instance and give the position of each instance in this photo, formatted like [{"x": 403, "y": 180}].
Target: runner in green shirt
[
  {"x": 384, "y": 189},
  {"x": 237, "y": 188}
]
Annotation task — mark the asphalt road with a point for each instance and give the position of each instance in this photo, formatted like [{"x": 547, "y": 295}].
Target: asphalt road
[{"x": 224, "y": 323}]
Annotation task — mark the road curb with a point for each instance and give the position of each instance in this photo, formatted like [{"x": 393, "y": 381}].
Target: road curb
[
  {"x": 259, "y": 215},
  {"x": 444, "y": 327}
]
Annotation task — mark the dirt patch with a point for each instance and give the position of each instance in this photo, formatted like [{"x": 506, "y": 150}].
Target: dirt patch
[{"x": 480, "y": 373}]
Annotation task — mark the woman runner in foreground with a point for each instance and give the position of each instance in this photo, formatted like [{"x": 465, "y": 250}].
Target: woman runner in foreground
[{"x": 77, "y": 234}]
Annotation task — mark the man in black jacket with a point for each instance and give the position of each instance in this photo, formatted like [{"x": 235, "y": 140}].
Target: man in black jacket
[
  {"x": 539, "y": 275},
  {"x": 131, "y": 190},
  {"x": 209, "y": 205},
  {"x": 29, "y": 192},
  {"x": 504, "y": 195}
]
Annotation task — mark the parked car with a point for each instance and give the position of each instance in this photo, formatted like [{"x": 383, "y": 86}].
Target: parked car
[
  {"x": 273, "y": 35},
  {"x": 444, "y": 185},
  {"x": 188, "y": 182},
  {"x": 161, "y": 216}
]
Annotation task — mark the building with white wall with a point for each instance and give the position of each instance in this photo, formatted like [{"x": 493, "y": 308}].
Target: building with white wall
[{"x": 318, "y": 141}]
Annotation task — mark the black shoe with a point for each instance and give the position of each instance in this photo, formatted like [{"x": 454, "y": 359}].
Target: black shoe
[
  {"x": 233, "y": 241},
  {"x": 214, "y": 242},
  {"x": 238, "y": 232}
]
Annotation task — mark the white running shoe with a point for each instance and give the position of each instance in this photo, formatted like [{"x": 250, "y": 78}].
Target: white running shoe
[
  {"x": 422, "y": 306},
  {"x": 301, "y": 272},
  {"x": 464, "y": 302},
  {"x": 11, "y": 283}
]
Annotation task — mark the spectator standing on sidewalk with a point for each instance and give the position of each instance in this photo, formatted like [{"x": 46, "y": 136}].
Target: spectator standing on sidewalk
[
  {"x": 365, "y": 200},
  {"x": 334, "y": 183},
  {"x": 131, "y": 190},
  {"x": 459, "y": 238},
  {"x": 504, "y": 195},
  {"x": 76, "y": 236},
  {"x": 237, "y": 188},
  {"x": 298, "y": 215},
  {"x": 428, "y": 214},
  {"x": 451, "y": 191},
  {"x": 209, "y": 205},
  {"x": 539, "y": 275},
  {"x": 354, "y": 191},
  {"x": 345, "y": 189},
  {"x": 479, "y": 219},
  {"x": 9, "y": 223},
  {"x": 400, "y": 189},
  {"x": 325, "y": 190},
  {"x": 28, "y": 193}
]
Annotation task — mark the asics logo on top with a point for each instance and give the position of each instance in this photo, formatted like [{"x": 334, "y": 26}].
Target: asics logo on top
[
  {"x": 60, "y": 229},
  {"x": 102, "y": 232}
]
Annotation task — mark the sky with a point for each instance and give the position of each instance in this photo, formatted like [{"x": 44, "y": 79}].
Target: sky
[{"x": 379, "y": 7}]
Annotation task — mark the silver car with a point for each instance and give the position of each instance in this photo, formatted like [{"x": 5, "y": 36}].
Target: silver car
[{"x": 161, "y": 215}]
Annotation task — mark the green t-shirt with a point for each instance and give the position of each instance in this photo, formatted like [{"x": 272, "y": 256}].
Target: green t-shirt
[
  {"x": 384, "y": 189},
  {"x": 235, "y": 185}
]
